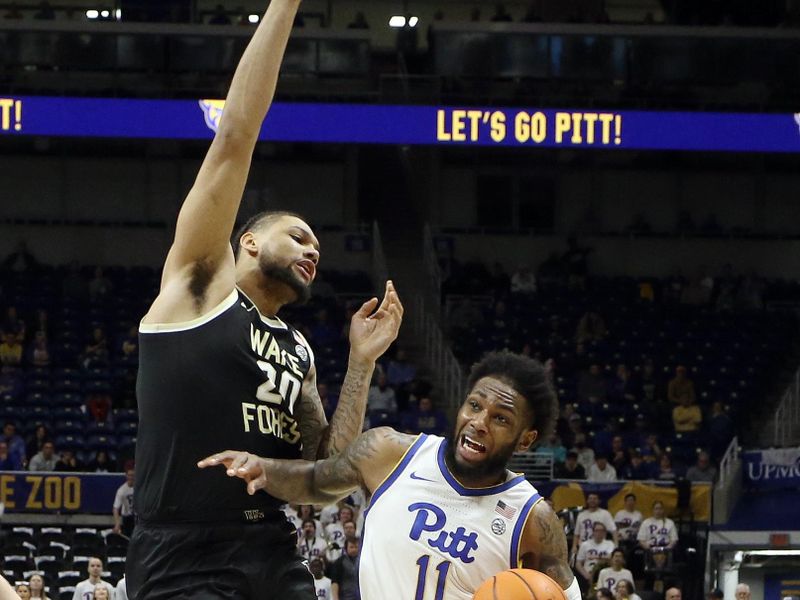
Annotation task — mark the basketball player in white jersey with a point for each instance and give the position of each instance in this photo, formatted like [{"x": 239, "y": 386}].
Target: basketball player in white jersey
[{"x": 445, "y": 514}]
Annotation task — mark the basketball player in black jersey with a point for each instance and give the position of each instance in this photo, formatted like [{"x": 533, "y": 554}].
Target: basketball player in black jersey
[{"x": 218, "y": 368}]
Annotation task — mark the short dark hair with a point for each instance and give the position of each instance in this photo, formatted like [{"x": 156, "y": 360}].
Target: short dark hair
[
  {"x": 309, "y": 521},
  {"x": 258, "y": 221},
  {"x": 605, "y": 593},
  {"x": 528, "y": 378},
  {"x": 630, "y": 496},
  {"x": 572, "y": 454}
]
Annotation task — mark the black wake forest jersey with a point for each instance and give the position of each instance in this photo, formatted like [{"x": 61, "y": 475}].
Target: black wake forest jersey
[{"x": 229, "y": 380}]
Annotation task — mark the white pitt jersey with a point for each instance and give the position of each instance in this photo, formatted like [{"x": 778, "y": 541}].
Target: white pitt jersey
[{"x": 426, "y": 537}]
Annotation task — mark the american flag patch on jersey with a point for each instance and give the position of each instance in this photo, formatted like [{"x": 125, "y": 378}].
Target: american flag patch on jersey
[{"x": 504, "y": 509}]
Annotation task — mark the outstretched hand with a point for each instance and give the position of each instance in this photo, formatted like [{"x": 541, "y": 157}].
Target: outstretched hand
[
  {"x": 239, "y": 464},
  {"x": 372, "y": 334}
]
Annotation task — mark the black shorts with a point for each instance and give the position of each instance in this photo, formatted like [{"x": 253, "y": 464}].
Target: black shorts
[{"x": 235, "y": 561}]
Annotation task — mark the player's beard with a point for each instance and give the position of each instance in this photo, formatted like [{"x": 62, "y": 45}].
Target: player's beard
[
  {"x": 492, "y": 466},
  {"x": 270, "y": 269}
]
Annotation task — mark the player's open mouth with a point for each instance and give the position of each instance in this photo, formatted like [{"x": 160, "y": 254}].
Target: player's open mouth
[
  {"x": 471, "y": 448},
  {"x": 306, "y": 268}
]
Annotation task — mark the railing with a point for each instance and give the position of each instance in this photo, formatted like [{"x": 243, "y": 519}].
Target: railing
[
  {"x": 729, "y": 463},
  {"x": 786, "y": 427},
  {"x": 438, "y": 355},
  {"x": 537, "y": 466},
  {"x": 380, "y": 272}
]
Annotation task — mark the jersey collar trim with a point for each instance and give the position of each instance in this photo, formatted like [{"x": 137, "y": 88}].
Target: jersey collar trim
[
  {"x": 271, "y": 321},
  {"x": 397, "y": 471},
  {"x": 465, "y": 491}
]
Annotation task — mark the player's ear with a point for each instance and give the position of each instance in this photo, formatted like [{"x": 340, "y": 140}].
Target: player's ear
[
  {"x": 248, "y": 243},
  {"x": 527, "y": 439}
]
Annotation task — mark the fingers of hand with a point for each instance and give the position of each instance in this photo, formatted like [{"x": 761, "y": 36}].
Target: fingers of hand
[
  {"x": 240, "y": 465},
  {"x": 259, "y": 483},
  {"x": 220, "y": 458},
  {"x": 367, "y": 308}
]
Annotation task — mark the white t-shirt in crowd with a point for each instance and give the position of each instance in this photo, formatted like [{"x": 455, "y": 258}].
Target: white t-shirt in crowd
[
  {"x": 657, "y": 532},
  {"x": 595, "y": 474},
  {"x": 122, "y": 590},
  {"x": 323, "y": 586},
  {"x": 85, "y": 590},
  {"x": 584, "y": 525},
  {"x": 312, "y": 548},
  {"x": 329, "y": 514},
  {"x": 608, "y": 577},
  {"x": 591, "y": 553},
  {"x": 123, "y": 501},
  {"x": 628, "y": 524}
]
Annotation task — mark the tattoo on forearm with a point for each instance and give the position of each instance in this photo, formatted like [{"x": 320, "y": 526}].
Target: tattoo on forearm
[
  {"x": 348, "y": 420},
  {"x": 311, "y": 421},
  {"x": 553, "y": 548}
]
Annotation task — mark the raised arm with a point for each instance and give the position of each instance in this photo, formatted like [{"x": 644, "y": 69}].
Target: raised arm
[
  {"x": 201, "y": 248},
  {"x": 370, "y": 336},
  {"x": 365, "y": 463},
  {"x": 544, "y": 548}
]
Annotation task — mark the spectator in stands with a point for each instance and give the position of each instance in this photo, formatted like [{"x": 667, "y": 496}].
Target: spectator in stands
[
  {"x": 591, "y": 328},
  {"x": 98, "y": 404},
  {"x": 686, "y": 417},
  {"x": 85, "y": 589},
  {"x": 571, "y": 469},
  {"x": 588, "y": 517},
  {"x": 321, "y": 583},
  {"x": 310, "y": 545},
  {"x": 45, "y": 12},
  {"x": 673, "y": 593},
  {"x": 12, "y": 324},
  {"x": 45, "y": 459},
  {"x": 592, "y": 386},
  {"x": 10, "y": 351},
  {"x": 101, "y": 463},
  {"x": 6, "y": 462},
  {"x": 703, "y": 470},
  {"x": 628, "y": 520},
  {"x": 601, "y": 471},
  {"x": 220, "y": 16},
  {"x": 344, "y": 572},
  {"x": 23, "y": 590},
  {"x": 658, "y": 531},
  {"x": 37, "y": 440},
  {"x": 69, "y": 463},
  {"x": 623, "y": 387},
  {"x": 680, "y": 386},
  {"x": 610, "y": 576},
  {"x": 619, "y": 455},
  {"x": 96, "y": 352},
  {"x": 15, "y": 444},
  {"x": 649, "y": 383},
  {"x": 665, "y": 470},
  {"x": 42, "y": 322},
  {"x": 720, "y": 430},
  {"x": 742, "y": 592},
  {"x": 604, "y": 594},
  {"x": 523, "y": 281},
  {"x": 37, "y": 587},
  {"x": 381, "y": 397},
  {"x": 585, "y": 454},
  {"x": 121, "y": 592},
  {"x": 715, "y": 594},
  {"x": 554, "y": 447},
  {"x": 637, "y": 469},
  {"x": 425, "y": 419},
  {"x": 624, "y": 590},
  {"x": 592, "y": 551},
  {"x": 39, "y": 351},
  {"x": 130, "y": 345},
  {"x": 123, "y": 505}
]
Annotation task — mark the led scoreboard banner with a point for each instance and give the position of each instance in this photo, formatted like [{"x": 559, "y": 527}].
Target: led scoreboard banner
[{"x": 408, "y": 125}]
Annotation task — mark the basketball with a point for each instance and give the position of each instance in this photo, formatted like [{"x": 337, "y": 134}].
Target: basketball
[{"x": 519, "y": 584}]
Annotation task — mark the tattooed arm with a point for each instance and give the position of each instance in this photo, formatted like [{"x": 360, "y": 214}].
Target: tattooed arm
[
  {"x": 544, "y": 546},
  {"x": 365, "y": 463},
  {"x": 370, "y": 336}
]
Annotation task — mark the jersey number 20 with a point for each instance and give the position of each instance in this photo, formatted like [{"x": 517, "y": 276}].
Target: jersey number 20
[{"x": 288, "y": 388}]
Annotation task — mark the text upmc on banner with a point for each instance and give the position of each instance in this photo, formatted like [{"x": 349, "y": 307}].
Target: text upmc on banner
[
  {"x": 527, "y": 127},
  {"x": 777, "y": 468}
]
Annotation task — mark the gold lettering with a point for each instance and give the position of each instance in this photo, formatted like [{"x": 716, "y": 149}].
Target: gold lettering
[
  {"x": 441, "y": 134},
  {"x": 36, "y": 483},
  {"x": 7, "y": 491}
]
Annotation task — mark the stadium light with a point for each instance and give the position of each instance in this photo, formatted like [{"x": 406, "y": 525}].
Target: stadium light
[
  {"x": 105, "y": 14},
  {"x": 254, "y": 19},
  {"x": 412, "y": 21},
  {"x": 92, "y": 14},
  {"x": 118, "y": 14},
  {"x": 397, "y": 21}
]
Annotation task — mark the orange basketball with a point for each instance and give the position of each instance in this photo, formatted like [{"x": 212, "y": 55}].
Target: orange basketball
[{"x": 520, "y": 584}]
